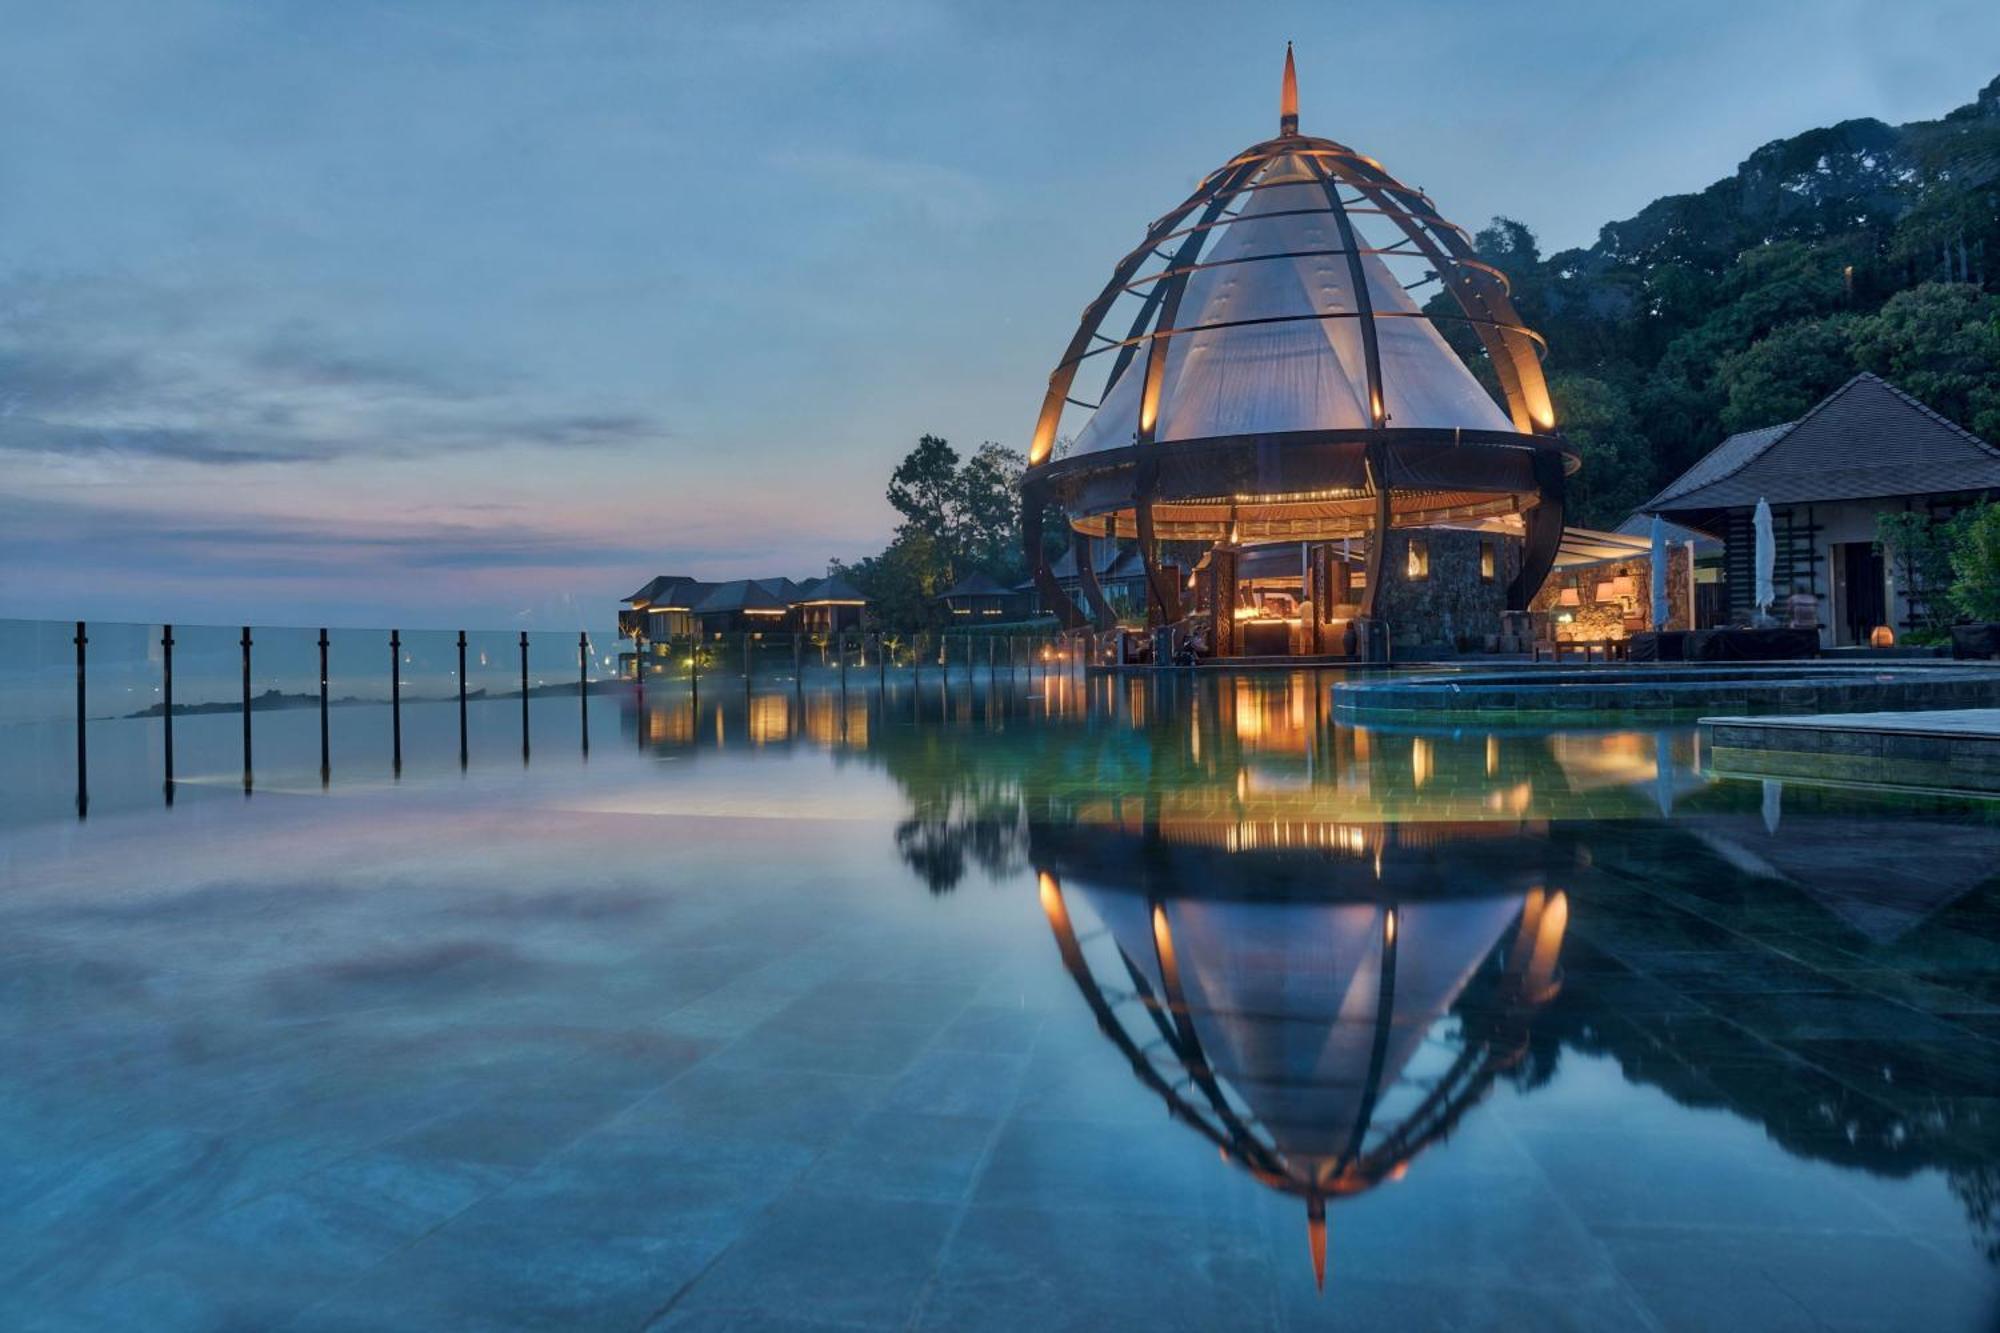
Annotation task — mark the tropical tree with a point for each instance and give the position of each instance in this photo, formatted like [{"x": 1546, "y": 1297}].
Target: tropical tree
[
  {"x": 1781, "y": 376},
  {"x": 1598, "y": 421},
  {"x": 1941, "y": 342},
  {"x": 1919, "y": 551},
  {"x": 923, "y": 488},
  {"x": 1975, "y": 562}
]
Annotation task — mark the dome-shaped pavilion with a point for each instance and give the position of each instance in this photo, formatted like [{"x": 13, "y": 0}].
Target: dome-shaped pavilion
[{"x": 1259, "y": 368}]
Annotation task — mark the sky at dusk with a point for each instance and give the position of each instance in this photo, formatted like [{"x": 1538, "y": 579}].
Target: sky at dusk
[{"x": 483, "y": 312}]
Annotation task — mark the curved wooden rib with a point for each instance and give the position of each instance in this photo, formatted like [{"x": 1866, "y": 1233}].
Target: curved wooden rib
[
  {"x": 1052, "y": 594},
  {"x": 1165, "y": 592},
  {"x": 1364, "y": 302},
  {"x": 1093, "y": 314},
  {"x": 1378, "y": 537},
  {"x": 1544, "y": 524},
  {"x": 1084, "y": 551}
]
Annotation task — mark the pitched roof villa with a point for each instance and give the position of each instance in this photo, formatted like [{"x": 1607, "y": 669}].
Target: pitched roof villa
[{"x": 1866, "y": 449}]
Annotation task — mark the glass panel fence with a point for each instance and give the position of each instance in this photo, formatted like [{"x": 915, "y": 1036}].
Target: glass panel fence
[
  {"x": 122, "y": 706},
  {"x": 37, "y": 718},
  {"x": 208, "y": 709},
  {"x": 396, "y": 694},
  {"x": 284, "y": 706},
  {"x": 429, "y": 715}
]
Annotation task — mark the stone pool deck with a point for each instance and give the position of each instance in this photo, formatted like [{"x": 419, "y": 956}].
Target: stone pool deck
[{"x": 1938, "y": 749}]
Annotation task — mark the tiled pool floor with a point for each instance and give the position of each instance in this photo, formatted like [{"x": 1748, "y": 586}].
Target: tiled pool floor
[{"x": 747, "y": 1026}]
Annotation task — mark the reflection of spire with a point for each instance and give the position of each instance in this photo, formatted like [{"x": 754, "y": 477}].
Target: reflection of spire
[
  {"x": 1663, "y": 772},
  {"x": 1288, "y": 99},
  {"x": 1316, "y": 1238},
  {"x": 1774, "y": 795}
]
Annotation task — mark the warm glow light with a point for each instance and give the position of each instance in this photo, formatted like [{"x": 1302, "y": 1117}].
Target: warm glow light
[
  {"x": 1540, "y": 983},
  {"x": 1420, "y": 761},
  {"x": 1163, "y": 940},
  {"x": 1052, "y": 902},
  {"x": 1882, "y": 637}
]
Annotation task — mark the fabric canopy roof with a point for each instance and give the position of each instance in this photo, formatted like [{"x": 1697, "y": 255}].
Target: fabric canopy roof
[{"x": 1281, "y": 259}]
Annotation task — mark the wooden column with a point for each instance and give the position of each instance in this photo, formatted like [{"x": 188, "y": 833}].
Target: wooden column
[
  {"x": 1222, "y": 598},
  {"x": 1378, "y": 537}
]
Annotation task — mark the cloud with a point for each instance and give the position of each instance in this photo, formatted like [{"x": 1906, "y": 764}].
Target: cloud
[
  {"x": 107, "y": 370},
  {"x": 282, "y": 546}
]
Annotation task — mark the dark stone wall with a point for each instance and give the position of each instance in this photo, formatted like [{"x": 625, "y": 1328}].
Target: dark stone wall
[{"x": 1453, "y": 608}]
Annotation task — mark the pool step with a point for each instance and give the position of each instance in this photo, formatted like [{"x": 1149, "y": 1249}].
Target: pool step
[{"x": 1945, "y": 749}]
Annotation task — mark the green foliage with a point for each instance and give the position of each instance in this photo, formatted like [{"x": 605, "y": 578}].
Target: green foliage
[
  {"x": 1940, "y": 342},
  {"x": 1600, "y": 424},
  {"x": 1779, "y": 377},
  {"x": 1918, "y": 549},
  {"x": 987, "y": 515},
  {"x": 959, "y": 515},
  {"x": 1975, "y": 562},
  {"x": 902, "y": 583},
  {"x": 923, "y": 486},
  {"x": 1860, "y": 246}
]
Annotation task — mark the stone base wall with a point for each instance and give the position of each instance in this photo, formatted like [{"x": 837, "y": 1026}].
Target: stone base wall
[
  {"x": 1593, "y": 620},
  {"x": 1453, "y": 608}
]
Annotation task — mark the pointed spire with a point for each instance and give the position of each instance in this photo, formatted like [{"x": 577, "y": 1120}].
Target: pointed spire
[
  {"x": 1288, "y": 99},
  {"x": 1316, "y": 1238}
]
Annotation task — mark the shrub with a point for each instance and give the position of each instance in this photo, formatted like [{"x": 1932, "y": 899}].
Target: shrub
[
  {"x": 1975, "y": 562},
  {"x": 1919, "y": 553}
]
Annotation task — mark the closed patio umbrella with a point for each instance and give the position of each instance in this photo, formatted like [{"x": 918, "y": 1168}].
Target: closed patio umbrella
[{"x": 1767, "y": 559}]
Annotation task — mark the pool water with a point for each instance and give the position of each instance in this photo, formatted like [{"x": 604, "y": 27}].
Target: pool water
[{"x": 1059, "y": 1005}]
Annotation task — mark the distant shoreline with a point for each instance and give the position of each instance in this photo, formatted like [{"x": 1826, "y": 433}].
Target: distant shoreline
[{"x": 275, "y": 700}]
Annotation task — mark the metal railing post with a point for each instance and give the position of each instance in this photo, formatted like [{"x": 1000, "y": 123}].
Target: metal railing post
[
  {"x": 81, "y": 641},
  {"x": 524, "y": 698},
  {"x": 246, "y": 710},
  {"x": 167, "y": 705},
  {"x": 583, "y": 683},
  {"x": 464, "y": 752},
  {"x": 396, "y": 699},
  {"x": 325, "y": 750}
]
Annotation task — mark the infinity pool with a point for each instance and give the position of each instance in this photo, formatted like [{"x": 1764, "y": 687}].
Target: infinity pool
[{"x": 1063, "y": 1005}]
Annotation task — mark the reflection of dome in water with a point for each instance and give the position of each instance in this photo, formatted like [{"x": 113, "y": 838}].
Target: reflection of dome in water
[{"x": 1302, "y": 1034}]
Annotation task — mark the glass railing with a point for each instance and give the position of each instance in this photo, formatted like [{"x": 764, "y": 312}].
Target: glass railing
[{"x": 116, "y": 712}]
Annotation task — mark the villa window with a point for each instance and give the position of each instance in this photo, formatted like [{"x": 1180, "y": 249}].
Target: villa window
[
  {"x": 1419, "y": 564},
  {"x": 1486, "y": 562}
]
